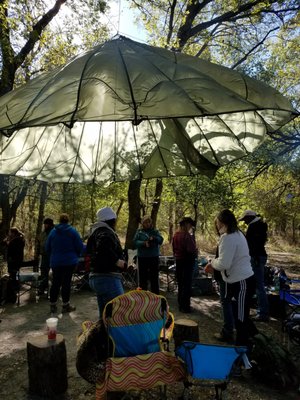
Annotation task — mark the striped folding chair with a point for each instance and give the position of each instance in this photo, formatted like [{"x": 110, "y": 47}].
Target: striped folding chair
[{"x": 139, "y": 326}]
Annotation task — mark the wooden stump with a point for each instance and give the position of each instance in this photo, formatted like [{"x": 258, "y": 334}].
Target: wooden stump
[
  {"x": 185, "y": 329},
  {"x": 47, "y": 366}
]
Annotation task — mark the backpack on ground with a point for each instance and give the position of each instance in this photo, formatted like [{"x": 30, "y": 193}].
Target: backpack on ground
[
  {"x": 272, "y": 363},
  {"x": 292, "y": 327}
]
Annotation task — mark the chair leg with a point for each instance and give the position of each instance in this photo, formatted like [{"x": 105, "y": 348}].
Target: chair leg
[
  {"x": 220, "y": 391},
  {"x": 18, "y": 289}
]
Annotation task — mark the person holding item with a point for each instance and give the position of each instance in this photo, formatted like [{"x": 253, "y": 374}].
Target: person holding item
[
  {"x": 256, "y": 235},
  {"x": 147, "y": 240},
  {"x": 106, "y": 258},
  {"x": 185, "y": 252},
  {"x": 64, "y": 247},
  {"x": 234, "y": 263},
  {"x": 227, "y": 332}
]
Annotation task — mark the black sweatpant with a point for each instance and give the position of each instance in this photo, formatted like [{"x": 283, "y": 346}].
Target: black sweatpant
[
  {"x": 148, "y": 272},
  {"x": 184, "y": 276},
  {"x": 241, "y": 294}
]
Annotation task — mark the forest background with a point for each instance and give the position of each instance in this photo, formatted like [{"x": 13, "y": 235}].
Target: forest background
[{"x": 259, "y": 38}]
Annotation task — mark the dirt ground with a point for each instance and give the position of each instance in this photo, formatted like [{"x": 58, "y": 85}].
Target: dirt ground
[{"x": 21, "y": 323}]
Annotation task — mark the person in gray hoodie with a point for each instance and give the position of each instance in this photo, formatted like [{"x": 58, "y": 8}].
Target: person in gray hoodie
[{"x": 64, "y": 246}]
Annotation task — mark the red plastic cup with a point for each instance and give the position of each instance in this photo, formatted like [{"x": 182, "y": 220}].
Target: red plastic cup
[{"x": 52, "y": 328}]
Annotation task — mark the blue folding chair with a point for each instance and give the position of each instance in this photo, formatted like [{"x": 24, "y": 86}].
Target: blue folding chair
[
  {"x": 211, "y": 365},
  {"x": 290, "y": 295}
]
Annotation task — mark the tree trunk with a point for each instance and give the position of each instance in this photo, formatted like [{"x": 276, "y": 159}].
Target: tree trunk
[
  {"x": 5, "y": 208},
  {"x": 157, "y": 200},
  {"x": 64, "y": 200},
  {"x": 9, "y": 211},
  {"x": 171, "y": 222},
  {"x": 134, "y": 205},
  {"x": 43, "y": 186}
]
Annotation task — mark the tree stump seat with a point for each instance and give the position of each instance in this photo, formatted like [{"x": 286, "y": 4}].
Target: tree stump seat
[
  {"x": 47, "y": 366},
  {"x": 185, "y": 329}
]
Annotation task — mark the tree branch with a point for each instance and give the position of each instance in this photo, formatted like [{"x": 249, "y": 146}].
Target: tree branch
[
  {"x": 254, "y": 48},
  {"x": 37, "y": 29},
  {"x": 12, "y": 62},
  {"x": 171, "y": 20},
  {"x": 184, "y": 34}
]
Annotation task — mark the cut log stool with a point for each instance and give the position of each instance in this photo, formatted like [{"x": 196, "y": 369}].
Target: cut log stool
[
  {"x": 47, "y": 366},
  {"x": 185, "y": 329}
]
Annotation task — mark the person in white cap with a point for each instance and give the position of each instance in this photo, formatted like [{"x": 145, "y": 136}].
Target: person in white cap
[
  {"x": 106, "y": 258},
  {"x": 256, "y": 236}
]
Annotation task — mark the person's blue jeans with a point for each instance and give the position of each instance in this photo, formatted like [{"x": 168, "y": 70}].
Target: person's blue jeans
[
  {"x": 106, "y": 287},
  {"x": 226, "y": 303},
  {"x": 258, "y": 266}
]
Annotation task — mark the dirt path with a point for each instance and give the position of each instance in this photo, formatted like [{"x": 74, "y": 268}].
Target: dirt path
[{"x": 22, "y": 323}]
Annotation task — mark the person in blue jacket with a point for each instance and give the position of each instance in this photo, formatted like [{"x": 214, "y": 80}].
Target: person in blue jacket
[
  {"x": 147, "y": 240},
  {"x": 64, "y": 246}
]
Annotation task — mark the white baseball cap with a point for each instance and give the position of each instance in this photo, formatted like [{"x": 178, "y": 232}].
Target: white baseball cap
[
  {"x": 106, "y": 214},
  {"x": 247, "y": 213}
]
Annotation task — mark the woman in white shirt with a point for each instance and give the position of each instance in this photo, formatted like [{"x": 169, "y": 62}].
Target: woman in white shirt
[{"x": 234, "y": 264}]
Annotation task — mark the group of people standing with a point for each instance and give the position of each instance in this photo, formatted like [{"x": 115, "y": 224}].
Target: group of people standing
[
  {"x": 238, "y": 265},
  {"x": 59, "y": 247}
]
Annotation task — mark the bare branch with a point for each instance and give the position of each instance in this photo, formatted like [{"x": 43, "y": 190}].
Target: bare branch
[
  {"x": 254, "y": 48},
  {"x": 243, "y": 11},
  {"x": 171, "y": 20}
]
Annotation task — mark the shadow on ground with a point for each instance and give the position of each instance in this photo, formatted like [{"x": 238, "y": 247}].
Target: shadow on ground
[{"x": 19, "y": 324}]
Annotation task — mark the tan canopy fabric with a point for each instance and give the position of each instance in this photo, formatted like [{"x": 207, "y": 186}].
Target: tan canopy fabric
[{"x": 126, "y": 110}]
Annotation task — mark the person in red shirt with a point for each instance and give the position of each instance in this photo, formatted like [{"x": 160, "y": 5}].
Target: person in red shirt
[{"x": 185, "y": 253}]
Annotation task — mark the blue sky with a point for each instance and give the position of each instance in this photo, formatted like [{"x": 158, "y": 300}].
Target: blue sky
[{"x": 122, "y": 21}]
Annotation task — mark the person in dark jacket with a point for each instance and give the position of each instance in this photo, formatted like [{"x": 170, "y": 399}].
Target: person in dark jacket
[
  {"x": 147, "y": 240},
  {"x": 15, "y": 253},
  {"x": 45, "y": 260},
  {"x": 185, "y": 253},
  {"x": 256, "y": 236},
  {"x": 64, "y": 247},
  {"x": 106, "y": 258}
]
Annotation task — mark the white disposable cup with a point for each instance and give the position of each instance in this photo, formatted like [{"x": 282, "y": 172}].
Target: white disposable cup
[{"x": 52, "y": 328}]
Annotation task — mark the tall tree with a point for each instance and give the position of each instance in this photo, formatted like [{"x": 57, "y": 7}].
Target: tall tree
[
  {"x": 134, "y": 206},
  {"x": 25, "y": 37},
  {"x": 246, "y": 34}
]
